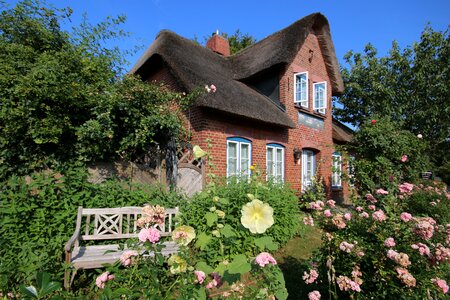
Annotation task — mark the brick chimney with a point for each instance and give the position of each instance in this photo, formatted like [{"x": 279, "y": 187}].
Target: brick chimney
[{"x": 218, "y": 44}]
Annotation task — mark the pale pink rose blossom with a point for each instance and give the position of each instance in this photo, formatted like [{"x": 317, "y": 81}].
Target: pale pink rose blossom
[
  {"x": 392, "y": 254},
  {"x": 441, "y": 283},
  {"x": 379, "y": 216},
  {"x": 213, "y": 88},
  {"x": 404, "y": 158},
  {"x": 329, "y": 236},
  {"x": 360, "y": 253},
  {"x": 127, "y": 257},
  {"x": 338, "y": 221},
  {"x": 311, "y": 276},
  {"x": 149, "y": 234},
  {"x": 405, "y": 217},
  {"x": 406, "y": 277},
  {"x": 200, "y": 276},
  {"x": 348, "y": 216},
  {"x": 371, "y": 198},
  {"x": 314, "y": 295},
  {"x": 425, "y": 227},
  {"x": 389, "y": 242},
  {"x": 265, "y": 258},
  {"x": 364, "y": 215},
  {"x": 423, "y": 249},
  {"x": 359, "y": 209},
  {"x": 308, "y": 221},
  {"x": 331, "y": 203},
  {"x": 102, "y": 279},
  {"x": 381, "y": 192},
  {"x": 327, "y": 213},
  {"x": 405, "y": 187},
  {"x": 215, "y": 282},
  {"x": 371, "y": 207},
  {"x": 346, "y": 247},
  {"x": 441, "y": 254},
  {"x": 346, "y": 284}
]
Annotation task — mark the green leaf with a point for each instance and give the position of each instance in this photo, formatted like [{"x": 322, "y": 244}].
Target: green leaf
[
  {"x": 202, "y": 240},
  {"x": 251, "y": 196},
  {"x": 29, "y": 291},
  {"x": 200, "y": 294},
  {"x": 203, "y": 266},
  {"x": 227, "y": 231},
  {"x": 224, "y": 201},
  {"x": 266, "y": 242},
  {"x": 211, "y": 218},
  {"x": 239, "y": 265}
]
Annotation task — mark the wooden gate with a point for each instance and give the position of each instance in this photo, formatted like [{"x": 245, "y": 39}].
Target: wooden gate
[{"x": 191, "y": 176}]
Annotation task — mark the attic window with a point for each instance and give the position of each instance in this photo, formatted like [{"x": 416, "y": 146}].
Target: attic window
[
  {"x": 267, "y": 84},
  {"x": 320, "y": 97},
  {"x": 301, "y": 89}
]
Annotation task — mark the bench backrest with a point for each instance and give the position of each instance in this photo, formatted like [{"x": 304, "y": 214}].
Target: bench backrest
[{"x": 117, "y": 223}]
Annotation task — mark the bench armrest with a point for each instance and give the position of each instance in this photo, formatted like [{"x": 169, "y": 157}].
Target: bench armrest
[
  {"x": 76, "y": 234},
  {"x": 71, "y": 241}
]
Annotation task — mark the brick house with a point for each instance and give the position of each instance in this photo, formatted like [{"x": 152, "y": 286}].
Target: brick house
[{"x": 272, "y": 106}]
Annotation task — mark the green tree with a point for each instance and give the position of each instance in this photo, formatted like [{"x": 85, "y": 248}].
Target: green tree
[
  {"x": 239, "y": 40},
  {"x": 63, "y": 97},
  {"x": 410, "y": 86}
]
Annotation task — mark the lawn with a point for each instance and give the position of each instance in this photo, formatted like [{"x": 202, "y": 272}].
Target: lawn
[{"x": 292, "y": 260}]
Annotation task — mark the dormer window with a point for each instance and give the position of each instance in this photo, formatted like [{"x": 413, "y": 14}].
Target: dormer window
[
  {"x": 320, "y": 97},
  {"x": 301, "y": 89}
]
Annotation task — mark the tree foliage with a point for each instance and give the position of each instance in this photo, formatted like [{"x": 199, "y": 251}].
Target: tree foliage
[
  {"x": 63, "y": 97},
  {"x": 410, "y": 86},
  {"x": 239, "y": 40}
]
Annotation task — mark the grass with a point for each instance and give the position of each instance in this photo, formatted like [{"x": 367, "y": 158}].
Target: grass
[{"x": 293, "y": 257}]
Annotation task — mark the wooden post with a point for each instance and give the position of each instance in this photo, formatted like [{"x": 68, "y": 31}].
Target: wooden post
[{"x": 171, "y": 163}]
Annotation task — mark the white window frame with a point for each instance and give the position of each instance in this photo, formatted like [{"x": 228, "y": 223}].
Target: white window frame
[
  {"x": 302, "y": 102},
  {"x": 336, "y": 178},
  {"x": 239, "y": 142},
  {"x": 320, "y": 107},
  {"x": 307, "y": 182},
  {"x": 274, "y": 161}
]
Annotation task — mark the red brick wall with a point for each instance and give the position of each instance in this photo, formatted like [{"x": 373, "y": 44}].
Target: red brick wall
[{"x": 203, "y": 124}]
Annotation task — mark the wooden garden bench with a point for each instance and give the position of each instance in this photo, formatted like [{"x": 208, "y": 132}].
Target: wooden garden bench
[{"x": 107, "y": 226}]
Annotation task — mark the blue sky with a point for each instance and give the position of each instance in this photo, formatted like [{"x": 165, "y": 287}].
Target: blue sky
[{"x": 353, "y": 23}]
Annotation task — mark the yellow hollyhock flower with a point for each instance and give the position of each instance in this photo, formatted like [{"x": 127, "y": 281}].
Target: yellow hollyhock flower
[
  {"x": 183, "y": 235},
  {"x": 257, "y": 216},
  {"x": 177, "y": 264},
  {"x": 199, "y": 152}
]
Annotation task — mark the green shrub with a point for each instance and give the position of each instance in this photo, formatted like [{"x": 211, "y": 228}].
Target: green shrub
[
  {"x": 38, "y": 213},
  {"x": 233, "y": 196}
]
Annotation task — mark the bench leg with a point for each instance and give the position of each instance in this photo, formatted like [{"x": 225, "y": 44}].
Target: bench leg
[{"x": 69, "y": 276}]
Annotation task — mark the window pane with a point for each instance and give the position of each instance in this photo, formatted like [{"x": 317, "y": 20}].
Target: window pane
[
  {"x": 232, "y": 159},
  {"x": 269, "y": 156},
  {"x": 301, "y": 88},
  {"x": 245, "y": 159}
]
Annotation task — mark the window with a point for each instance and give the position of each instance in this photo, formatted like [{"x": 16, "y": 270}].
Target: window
[
  {"x": 239, "y": 154},
  {"x": 320, "y": 97},
  {"x": 308, "y": 168},
  {"x": 336, "y": 180},
  {"x": 301, "y": 89},
  {"x": 275, "y": 162}
]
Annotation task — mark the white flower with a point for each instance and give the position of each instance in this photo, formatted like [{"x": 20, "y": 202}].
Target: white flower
[{"x": 257, "y": 216}]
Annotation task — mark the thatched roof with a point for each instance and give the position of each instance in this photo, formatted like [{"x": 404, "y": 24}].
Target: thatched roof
[
  {"x": 341, "y": 133},
  {"x": 195, "y": 66}
]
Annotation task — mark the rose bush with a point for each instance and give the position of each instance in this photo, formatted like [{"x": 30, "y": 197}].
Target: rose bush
[{"x": 386, "y": 248}]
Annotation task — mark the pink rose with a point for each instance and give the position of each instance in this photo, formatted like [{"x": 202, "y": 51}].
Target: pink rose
[
  {"x": 441, "y": 283},
  {"x": 371, "y": 207},
  {"x": 327, "y": 213},
  {"x": 346, "y": 247},
  {"x": 149, "y": 234},
  {"x": 404, "y": 158},
  {"x": 126, "y": 257},
  {"x": 389, "y": 242},
  {"x": 371, "y": 198},
  {"x": 102, "y": 279},
  {"x": 213, "y": 88},
  {"x": 314, "y": 295},
  {"x": 331, "y": 203},
  {"x": 405, "y": 216},
  {"x": 347, "y": 216},
  {"x": 379, "y": 216},
  {"x": 373, "y": 121},
  {"x": 381, "y": 192},
  {"x": 405, "y": 187},
  {"x": 311, "y": 276},
  {"x": 359, "y": 209},
  {"x": 364, "y": 215},
  {"x": 265, "y": 258},
  {"x": 200, "y": 276}
]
